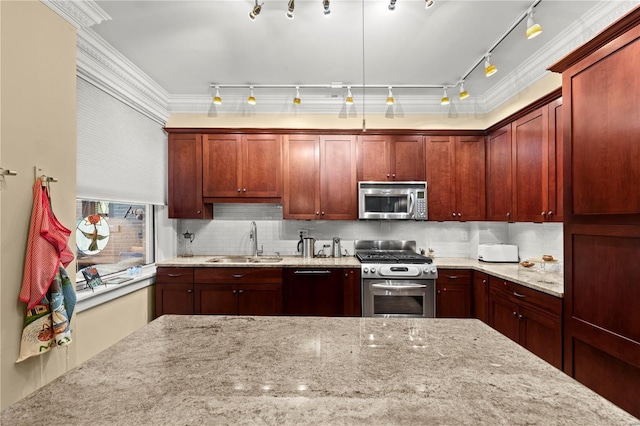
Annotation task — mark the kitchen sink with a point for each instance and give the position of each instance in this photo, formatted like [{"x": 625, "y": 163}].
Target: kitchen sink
[{"x": 245, "y": 259}]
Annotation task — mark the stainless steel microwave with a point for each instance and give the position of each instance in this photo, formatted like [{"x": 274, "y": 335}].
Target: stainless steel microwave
[{"x": 392, "y": 200}]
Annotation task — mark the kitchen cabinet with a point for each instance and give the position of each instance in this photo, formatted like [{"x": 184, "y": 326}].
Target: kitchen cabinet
[
  {"x": 320, "y": 177},
  {"x": 499, "y": 184},
  {"x": 185, "y": 178},
  {"x": 174, "y": 291},
  {"x": 322, "y": 292},
  {"x": 601, "y": 92},
  {"x": 529, "y": 317},
  {"x": 391, "y": 158},
  {"x": 242, "y": 166},
  {"x": 453, "y": 293},
  {"x": 238, "y": 291},
  {"x": 481, "y": 296},
  {"x": 455, "y": 177}
]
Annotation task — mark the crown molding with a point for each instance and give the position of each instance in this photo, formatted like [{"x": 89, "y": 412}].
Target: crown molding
[
  {"x": 103, "y": 66},
  {"x": 80, "y": 14}
]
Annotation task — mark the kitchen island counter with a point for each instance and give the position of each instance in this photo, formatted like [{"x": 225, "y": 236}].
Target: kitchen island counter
[{"x": 193, "y": 370}]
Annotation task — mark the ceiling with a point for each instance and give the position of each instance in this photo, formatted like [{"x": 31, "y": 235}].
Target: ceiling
[{"x": 186, "y": 46}]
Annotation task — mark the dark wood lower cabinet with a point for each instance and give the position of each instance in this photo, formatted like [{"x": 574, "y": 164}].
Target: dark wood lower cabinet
[
  {"x": 321, "y": 292},
  {"x": 174, "y": 291},
  {"x": 481, "y": 296},
  {"x": 453, "y": 293},
  {"x": 529, "y": 317}
]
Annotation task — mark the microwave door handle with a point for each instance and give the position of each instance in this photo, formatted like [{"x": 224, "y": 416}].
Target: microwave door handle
[
  {"x": 398, "y": 287},
  {"x": 411, "y": 203}
]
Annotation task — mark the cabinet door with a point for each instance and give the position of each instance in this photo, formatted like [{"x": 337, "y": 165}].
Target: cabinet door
[
  {"x": 260, "y": 299},
  {"x": 556, "y": 175},
  {"x": 541, "y": 334},
  {"x": 453, "y": 301},
  {"x": 499, "y": 179},
  {"x": 261, "y": 165},
  {"x": 503, "y": 316},
  {"x": 216, "y": 299},
  {"x": 352, "y": 293},
  {"x": 481, "y": 296},
  {"x": 374, "y": 158},
  {"x": 316, "y": 292},
  {"x": 174, "y": 299},
  {"x": 530, "y": 145},
  {"x": 440, "y": 178},
  {"x": 185, "y": 178},
  {"x": 338, "y": 185},
  {"x": 407, "y": 158},
  {"x": 470, "y": 178},
  {"x": 221, "y": 165},
  {"x": 301, "y": 177}
]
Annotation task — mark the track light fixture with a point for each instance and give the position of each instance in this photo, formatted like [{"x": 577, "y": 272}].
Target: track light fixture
[
  {"x": 463, "y": 93},
  {"x": 428, "y": 4},
  {"x": 533, "y": 29},
  {"x": 217, "y": 99},
  {"x": 349, "y": 99},
  {"x": 489, "y": 68},
  {"x": 445, "y": 97},
  {"x": 255, "y": 11},
  {"x": 296, "y": 100},
  {"x": 392, "y": 4},
  {"x": 390, "y": 100},
  {"x": 290, "y": 9},
  {"x": 251, "y": 100},
  {"x": 325, "y": 4}
]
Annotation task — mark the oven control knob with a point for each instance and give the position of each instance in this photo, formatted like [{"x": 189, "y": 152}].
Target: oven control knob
[
  {"x": 373, "y": 270},
  {"x": 433, "y": 270},
  {"x": 426, "y": 270},
  {"x": 365, "y": 269}
]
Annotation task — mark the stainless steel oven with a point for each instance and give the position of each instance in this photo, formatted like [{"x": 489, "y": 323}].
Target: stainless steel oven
[{"x": 396, "y": 281}]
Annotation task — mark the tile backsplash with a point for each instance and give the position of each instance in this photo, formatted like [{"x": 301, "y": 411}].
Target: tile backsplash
[{"x": 228, "y": 233}]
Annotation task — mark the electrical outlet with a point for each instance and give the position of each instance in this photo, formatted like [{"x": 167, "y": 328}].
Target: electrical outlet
[
  {"x": 303, "y": 233},
  {"x": 464, "y": 236}
]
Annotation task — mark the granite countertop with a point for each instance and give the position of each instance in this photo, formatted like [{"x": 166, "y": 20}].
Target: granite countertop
[
  {"x": 536, "y": 277},
  {"x": 193, "y": 370}
]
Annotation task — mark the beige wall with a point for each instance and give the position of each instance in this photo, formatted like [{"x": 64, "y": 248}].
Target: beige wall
[{"x": 327, "y": 121}]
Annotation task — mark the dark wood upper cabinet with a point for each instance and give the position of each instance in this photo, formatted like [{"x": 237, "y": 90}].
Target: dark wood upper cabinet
[
  {"x": 185, "y": 178},
  {"x": 556, "y": 168},
  {"x": 455, "y": 177},
  {"x": 499, "y": 182},
  {"x": 320, "y": 177},
  {"x": 247, "y": 166},
  {"x": 391, "y": 158}
]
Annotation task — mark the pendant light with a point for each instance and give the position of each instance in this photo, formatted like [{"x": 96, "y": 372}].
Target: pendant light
[
  {"x": 325, "y": 5},
  {"x": 217, "y": 99},
  {"x": 251, "y": 100},
  {"x": 463, "y": 93},
  {"x": 390, "y": 100},
  {"x": 349, "y": 99},
  {"x": 533, "y": 29},
  {"x": 392, "y": 4},
  {"x": 489, "y": 68},
  {"x": 296, "y": 100},
  {"x": 290, "y": 9},
  {"x": 255, "y": 11},
  {"x": 428, "y": 4},
  {"x": 445, "y": 97}
]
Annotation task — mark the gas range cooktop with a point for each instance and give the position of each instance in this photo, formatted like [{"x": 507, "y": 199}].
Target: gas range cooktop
[{"x": 389, "y": 251}]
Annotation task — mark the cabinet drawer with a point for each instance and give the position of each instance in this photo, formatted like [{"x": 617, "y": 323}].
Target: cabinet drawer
[
  {"x": 238, "y": 275},
  {"x": 174, "y": 275},
  {"x": 454, "y": 276},
  {"x": 526, "y": 296}
]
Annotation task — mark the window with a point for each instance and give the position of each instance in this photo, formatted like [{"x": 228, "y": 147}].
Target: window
[{"x": 112, "y": 237}]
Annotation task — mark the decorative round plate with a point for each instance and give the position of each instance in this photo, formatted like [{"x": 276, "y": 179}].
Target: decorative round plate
[{"x": 92, "y": 234}]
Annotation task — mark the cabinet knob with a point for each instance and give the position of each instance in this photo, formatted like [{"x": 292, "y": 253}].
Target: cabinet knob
[
  {"x": 520, "y": 316},
  {"x": 388, "y": 175},
  {"x": 438, "y": 291},
  {"x": 549, "y": 213},
  {"x": 240, "y": 291},
  {"x": 317, "y": 213},
  {"x": 543, "y": 213},
  {"x": 322, "y": 213},
  {"x": 484, "y": 281},
  {"x": 508, "y": 214},
  {"x": 190, "y": 291},
  {"x": 459, "y": 214},
  {"x": 239, "y": 189},
  {"x": 346, "y": 275},
  {"x": 453, "y": 214},
  {"x": 234, "y": 292},
  {"x": 198, "y": 212},
  {"x": 244, "y": 190},
  {"x": 515, "y": 314},
  {"x": 393, "y": 175}
]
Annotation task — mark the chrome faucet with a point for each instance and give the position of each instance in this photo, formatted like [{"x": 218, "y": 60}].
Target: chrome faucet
[{"x": 253, "y": 237}]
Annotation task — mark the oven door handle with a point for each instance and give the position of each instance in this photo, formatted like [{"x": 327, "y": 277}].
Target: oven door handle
[{"x": 398, "y": 287}]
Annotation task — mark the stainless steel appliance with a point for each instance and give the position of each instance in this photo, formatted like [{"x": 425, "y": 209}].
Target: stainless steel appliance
[
  {"x": 306, "y": 246},
  {"x": 336, "y": 247},
  {"x": 396, "y": 281},
  {"x": 392, "y": 200}
]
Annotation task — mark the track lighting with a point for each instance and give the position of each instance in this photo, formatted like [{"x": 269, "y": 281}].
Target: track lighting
[
  {"x": 290, "y": 9},
  {"x": 533, "y": 29},
  {"x": 390, "y": 100},
  {"x": 325, "y": 4},
  {"x": 251, "y": 100},
  {"x": 428, "y": 4},
  {"x": 392, "y": 4},
  {"x": 489, "y": 68},
  {"x": 463, "y": 93},
  {"x": 349, "y": 99},
  {"x": 255, "y": 11},
  {"x": 296, "y": 100},
  {"x": 217, "y": 99},
  {"x": 445, "y": 97}
]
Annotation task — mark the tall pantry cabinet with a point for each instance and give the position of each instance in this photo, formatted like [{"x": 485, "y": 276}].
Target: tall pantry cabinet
[{"x": 601, "y": 93}]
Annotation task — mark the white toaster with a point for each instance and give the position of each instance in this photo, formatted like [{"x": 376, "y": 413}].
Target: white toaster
[{"x": 498, "y": 253}]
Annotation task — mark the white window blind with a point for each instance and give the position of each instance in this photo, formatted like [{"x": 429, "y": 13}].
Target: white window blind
[{"x": 122, "y": 154}]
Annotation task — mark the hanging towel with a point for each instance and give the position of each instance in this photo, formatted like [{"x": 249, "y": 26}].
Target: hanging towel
[{"x": 46, "y": 287}]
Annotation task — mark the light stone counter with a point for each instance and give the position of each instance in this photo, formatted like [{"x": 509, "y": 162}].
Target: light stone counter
[
  {"x": 286, "y": 262},
  {"x": 203, "y": 370}
]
